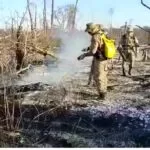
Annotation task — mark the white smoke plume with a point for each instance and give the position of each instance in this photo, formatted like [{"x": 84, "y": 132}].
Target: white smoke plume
[{"x": 67, "y": 65}]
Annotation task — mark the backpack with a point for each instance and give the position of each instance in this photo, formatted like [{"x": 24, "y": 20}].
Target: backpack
[
  {"x": 109, "y": 47},
  {"x": 125, "y": 41}
]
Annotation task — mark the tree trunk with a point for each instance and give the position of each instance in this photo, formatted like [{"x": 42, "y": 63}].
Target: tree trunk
[
  {"x": 31, "y": 19},
  {"x": 52, "y": 14},
  {"x": 45, "y": 17},
  {"x": 75, "y": 12},
  {"x": 19, "y": 51}
]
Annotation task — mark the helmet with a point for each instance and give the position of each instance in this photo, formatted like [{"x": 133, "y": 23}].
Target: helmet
[
  {"x": 129, "y": 29},
  {"x": 101, "y": 28},
  {"x": 88, "y": 26},
  {"x": 92, "y": 28}
]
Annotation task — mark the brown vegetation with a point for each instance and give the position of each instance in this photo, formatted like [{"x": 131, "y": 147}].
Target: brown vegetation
[{"x": 21, "y": 45}]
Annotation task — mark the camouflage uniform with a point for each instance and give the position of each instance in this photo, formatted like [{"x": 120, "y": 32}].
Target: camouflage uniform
[
  {"x": 91, "y": 69},
  {"x": 99, "y": 62},
  {"x": 128, "y": 44},
  {"x": 91, "y": 74}
]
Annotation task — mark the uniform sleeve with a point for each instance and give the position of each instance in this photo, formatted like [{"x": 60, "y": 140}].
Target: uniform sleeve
[
  {"x": 136, "y": 41},
  {"x": 95, "y": 43}
]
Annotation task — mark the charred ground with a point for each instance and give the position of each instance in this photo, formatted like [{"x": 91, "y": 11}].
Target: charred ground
[{"x": 69, "y": 114}]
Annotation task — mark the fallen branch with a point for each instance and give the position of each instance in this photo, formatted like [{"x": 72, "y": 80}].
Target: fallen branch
[
  {"x": 24, "y": 69},
  {"x": 143, "y": 28},
  {"x": 42, "y": 52},
  {"x": 9, "y": 90}
]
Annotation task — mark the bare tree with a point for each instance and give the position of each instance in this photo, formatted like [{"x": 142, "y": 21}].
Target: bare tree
[
  {"x": 61, "y": 17},
  {"x": 52, "y": 14},
  {"x": 31, "y": 18},
  {"x": 35, "y": 18},
  {"x": 75, "y": 12},
  {"x": 12, "y": 28},
  {"x": 19, "y": 51},
  {"x": 64, "y": 17},
  {"x": 111, "y": 12},
  {"x": 45, "y": 17}
]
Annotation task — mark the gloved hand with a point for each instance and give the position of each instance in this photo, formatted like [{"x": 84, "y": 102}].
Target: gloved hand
[
  {"x": 84, "y": 50},
  {"x": 81, "y": 57}
]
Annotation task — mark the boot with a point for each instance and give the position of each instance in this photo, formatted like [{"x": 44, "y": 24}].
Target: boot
[
  {"x": 123, "y": 72},
  {"x": 129, "y": 72},
  {"x": 89, "y": 81}
]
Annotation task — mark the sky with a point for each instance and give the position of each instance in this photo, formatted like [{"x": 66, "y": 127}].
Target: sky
[{"x": 96, "y": 11}]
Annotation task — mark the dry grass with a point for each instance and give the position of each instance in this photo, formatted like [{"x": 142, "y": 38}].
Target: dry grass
[{"x": 33, "y": 49}]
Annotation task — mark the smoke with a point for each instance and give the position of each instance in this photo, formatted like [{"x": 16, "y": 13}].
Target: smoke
[
  {"x": 67, "y": 64},
  {"x": 72, "y": 44}
]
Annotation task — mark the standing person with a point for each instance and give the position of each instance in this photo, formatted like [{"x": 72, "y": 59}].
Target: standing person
[
  {"x": 101, "y": 31},
  {"x": 96, "y": 50},
  {"x": 128, "y": 46}
]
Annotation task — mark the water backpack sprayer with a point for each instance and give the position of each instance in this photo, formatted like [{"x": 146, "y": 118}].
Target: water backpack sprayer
[{"x": 109, "y": 47}]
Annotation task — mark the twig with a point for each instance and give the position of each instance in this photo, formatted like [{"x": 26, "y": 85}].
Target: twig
[{"x": 24, "y": 69}]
